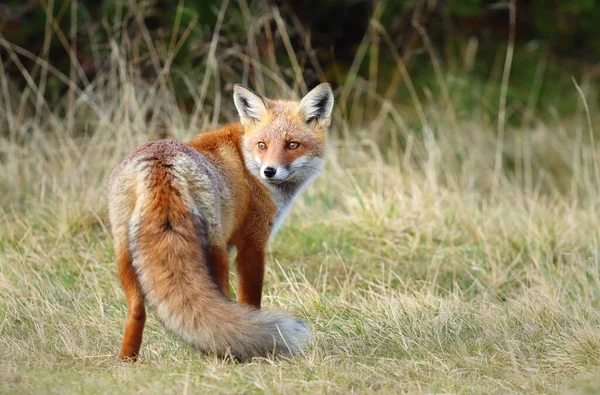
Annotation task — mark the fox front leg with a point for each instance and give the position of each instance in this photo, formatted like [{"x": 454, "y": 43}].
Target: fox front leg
[
  {"x": 219, "y": 267},
  {"x": 250, "y": 265}
]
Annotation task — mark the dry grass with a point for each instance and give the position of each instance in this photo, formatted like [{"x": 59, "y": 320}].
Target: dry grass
[{"x": 419, "y": 268}]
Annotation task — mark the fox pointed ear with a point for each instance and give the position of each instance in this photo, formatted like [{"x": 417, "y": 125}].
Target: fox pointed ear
[
  {"x": 250, "y": 105},
  {"x": 317, "y": 105}
]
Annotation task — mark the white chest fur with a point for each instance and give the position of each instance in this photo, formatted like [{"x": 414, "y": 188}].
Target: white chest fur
[
  {"x": 283, "y": 203},
  {"x": 284, "y": 197}
]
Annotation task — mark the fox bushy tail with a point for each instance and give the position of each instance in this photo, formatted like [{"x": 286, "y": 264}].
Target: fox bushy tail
[{"x": 168, "y": 243}]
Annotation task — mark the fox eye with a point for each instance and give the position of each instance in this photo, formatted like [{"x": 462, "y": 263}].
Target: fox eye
[
  {"x": 292, "y": 145},
  {"x": 262, "y": 145}
]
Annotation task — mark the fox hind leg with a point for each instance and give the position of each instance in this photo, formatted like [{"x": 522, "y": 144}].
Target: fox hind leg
[{"x": 136, "y": 311}]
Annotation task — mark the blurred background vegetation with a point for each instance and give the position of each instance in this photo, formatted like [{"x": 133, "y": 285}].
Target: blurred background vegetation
[{"x": 467, "y": 43}]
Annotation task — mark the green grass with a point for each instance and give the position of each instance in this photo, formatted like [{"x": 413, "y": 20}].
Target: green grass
[
  {"x": 421, "y": 265},
  {"x": 411, "y": 285}
]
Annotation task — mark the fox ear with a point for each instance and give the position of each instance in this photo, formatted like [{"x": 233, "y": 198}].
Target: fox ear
[
  {"x": 317, "y": 105},
  {"x": 250, "y": 105}
]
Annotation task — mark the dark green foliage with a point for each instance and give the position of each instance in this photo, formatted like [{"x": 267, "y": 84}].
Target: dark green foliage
[{"x": 558, "y": 29}]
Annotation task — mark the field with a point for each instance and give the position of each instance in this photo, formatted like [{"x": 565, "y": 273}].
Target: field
[{"x": 441, "y": 251}]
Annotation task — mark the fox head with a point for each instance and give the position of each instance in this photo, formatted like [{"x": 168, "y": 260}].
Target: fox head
[{"x": 284, "y": 141}]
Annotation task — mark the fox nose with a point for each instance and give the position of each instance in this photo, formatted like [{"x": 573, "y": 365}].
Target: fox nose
[{"x": 269, "y": 172}]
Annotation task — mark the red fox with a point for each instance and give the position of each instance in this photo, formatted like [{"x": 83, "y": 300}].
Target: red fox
[{"x": 177, "y": 209}]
